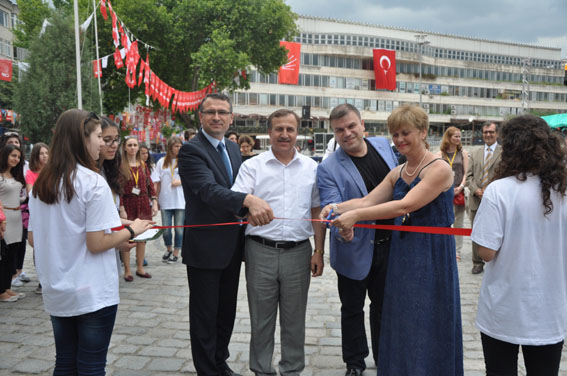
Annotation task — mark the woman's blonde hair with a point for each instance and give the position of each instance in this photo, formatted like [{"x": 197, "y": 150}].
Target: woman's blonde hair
[{"x": 408, "y": 115}]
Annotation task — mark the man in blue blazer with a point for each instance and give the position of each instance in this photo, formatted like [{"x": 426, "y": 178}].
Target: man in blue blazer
[
  {"x": 353, "y": 171},
  {"x": 208, "y": 165}
]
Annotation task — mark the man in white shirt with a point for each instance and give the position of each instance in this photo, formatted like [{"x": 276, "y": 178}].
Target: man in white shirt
[
  {"x": 482, "y": 163},
  {"x": 278, "y": 255}
]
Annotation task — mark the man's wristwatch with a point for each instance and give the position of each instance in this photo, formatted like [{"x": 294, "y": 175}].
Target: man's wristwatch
[{"x": 319, "y": 252}]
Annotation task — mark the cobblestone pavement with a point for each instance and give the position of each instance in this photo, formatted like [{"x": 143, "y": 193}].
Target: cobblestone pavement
[{"x": 151, "y": 335}]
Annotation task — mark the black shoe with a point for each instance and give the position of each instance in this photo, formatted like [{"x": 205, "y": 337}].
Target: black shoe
[
  {"x": 477, "y": 269},
  {"x": 173, "y": 260},
  {"x": 166, "y": 256},
  {"x": 225, "y": 370},
  {"x": 353, "y": 372}
]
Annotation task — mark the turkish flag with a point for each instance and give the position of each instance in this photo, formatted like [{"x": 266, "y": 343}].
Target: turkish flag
[
  {"x": 385, "y": 69},
  {"x": 289, "y": 72},
  {"x": 96, "y": 69},
  {"x": 5, "y": 70}
]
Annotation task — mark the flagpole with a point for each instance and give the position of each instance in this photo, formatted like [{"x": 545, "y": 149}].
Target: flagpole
[
  {"x": 78, "y": 57},
  {"x": 97, "y": 59}
]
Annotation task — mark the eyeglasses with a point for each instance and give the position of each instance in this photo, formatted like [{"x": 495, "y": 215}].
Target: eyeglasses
[
  {"x": 488, "y": 132},
  {"x": 109, "y": 141},
  {"x": 130, "y": 136},
  {"x": 213, "y": 112}
]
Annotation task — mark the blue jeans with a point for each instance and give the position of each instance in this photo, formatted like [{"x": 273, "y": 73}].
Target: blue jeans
[
  {"x": 178, "y": 216},
  {"x": 81, "y": 342}
]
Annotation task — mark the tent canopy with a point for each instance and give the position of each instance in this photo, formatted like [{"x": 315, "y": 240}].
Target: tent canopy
[{"x": 556, "y": 121}]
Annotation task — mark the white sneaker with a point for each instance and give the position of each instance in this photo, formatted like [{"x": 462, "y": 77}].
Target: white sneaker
[
  {"x": 24, "y": 278},
  {"x": 17, "y": 283}
]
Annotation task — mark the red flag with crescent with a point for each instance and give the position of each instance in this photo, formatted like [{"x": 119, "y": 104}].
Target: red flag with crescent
[
  {"x": 385, "y": 69},
  {"x": 289, "y": 72}
]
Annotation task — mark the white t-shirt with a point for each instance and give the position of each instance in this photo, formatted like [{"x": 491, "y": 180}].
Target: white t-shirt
[
  {"x": 291, "y": 190},
  {"x": 169, "y": 197},
  {"x": 523, "y": 298},
  {"x": 75, "y": 281}
]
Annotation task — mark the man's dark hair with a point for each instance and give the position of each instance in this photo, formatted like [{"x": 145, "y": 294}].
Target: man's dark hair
[
  {"x": 219, "y": 96},
  {"x": 282, "y": 113},
  {"x": 489, "y": 123},
  {"x": 343, "y": 110}
]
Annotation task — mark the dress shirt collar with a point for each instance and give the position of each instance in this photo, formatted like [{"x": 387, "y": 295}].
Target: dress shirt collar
[
  {"x": 272, "y": 156},
  {"x": 214, "y": 141},
  {"x": 491, "y": 147}
]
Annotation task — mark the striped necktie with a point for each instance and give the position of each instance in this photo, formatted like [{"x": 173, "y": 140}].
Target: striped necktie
[
  {"x": 225, "y": 160},
  {"x": 484, "y": 180}
]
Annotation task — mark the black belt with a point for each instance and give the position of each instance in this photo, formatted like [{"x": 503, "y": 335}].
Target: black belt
[
  {"x": 276, "y": 244},
  {"x": 381, "y": 241}
]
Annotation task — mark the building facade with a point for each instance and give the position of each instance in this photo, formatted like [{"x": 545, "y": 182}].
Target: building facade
[
  {"x": 464, "y": 80},
  {"x": 8, "y": 21}
]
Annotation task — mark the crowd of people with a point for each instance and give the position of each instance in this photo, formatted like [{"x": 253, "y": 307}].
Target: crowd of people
[{"x": 90, "y": 181}]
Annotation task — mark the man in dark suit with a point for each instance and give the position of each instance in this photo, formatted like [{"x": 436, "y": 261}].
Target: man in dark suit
[
  {"x": 352, "y": 171},
  {"x": 208, "y": 165}
]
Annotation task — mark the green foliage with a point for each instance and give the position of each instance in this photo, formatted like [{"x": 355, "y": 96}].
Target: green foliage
[
  {"x": 7, "y": 90},
  {"x": 48, "y": 88},
  {"x": 198, "y": 42},
  {"x": 31, "y": 15}
]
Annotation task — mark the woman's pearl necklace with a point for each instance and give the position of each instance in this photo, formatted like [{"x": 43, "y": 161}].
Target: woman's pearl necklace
[{"x": 418, "y": 166}]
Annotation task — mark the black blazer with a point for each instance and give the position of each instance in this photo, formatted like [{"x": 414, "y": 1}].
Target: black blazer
[{"x": 208, "y": 198}]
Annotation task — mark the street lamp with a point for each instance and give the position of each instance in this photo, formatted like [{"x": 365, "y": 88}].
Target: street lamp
[{"x": 420, "y": 40}]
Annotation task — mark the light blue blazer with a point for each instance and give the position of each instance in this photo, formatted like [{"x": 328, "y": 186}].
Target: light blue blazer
[{"x": 338, "y": 180}]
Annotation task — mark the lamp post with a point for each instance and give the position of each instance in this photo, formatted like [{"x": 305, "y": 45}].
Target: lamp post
[{"x": 420, "y": 40}]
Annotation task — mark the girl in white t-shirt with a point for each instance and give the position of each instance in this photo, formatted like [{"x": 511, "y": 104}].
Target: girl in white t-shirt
[
  {"x": 170, "y": 198},
  {"x": 72, "y": 212},
  {"x": 520, "y": 230}
]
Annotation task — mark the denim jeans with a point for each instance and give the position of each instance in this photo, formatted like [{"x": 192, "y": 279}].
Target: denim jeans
[
  {"x": 81, "y": 342},
  {"x": 178, "y": 216}
]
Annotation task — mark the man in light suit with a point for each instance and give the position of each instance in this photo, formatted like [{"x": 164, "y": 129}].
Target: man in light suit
[
  {"x": 482, "y": 163},
  {"x": 208, "y": 165},
  {"x": 352, "y": 171}
]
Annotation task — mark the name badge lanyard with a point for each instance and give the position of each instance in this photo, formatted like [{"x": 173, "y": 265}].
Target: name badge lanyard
[
  {"x": 452, "y": 160},
  {"x": 136, "y": 176}
]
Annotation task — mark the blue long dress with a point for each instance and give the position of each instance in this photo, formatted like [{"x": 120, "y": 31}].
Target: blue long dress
[{"x": 421, "y": 332}]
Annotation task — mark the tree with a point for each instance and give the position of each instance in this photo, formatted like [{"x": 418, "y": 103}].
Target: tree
[
  {"x": 48, "y": 88},
  {"x": 201, "y": 41},
  {"x": 31, "y": 15}
]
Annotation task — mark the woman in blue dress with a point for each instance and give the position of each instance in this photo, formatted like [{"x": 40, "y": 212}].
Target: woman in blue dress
[{"x": 421, "y": 319}]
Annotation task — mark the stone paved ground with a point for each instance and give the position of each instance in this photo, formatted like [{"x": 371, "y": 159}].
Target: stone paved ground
[{"x": 151, "y": 335}]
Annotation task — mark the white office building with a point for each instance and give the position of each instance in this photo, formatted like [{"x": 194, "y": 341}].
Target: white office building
[{"x": 465, "y": 80}]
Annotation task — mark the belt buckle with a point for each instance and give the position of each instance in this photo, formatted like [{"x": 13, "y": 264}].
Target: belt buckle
[{"x": 276, "y": 244}]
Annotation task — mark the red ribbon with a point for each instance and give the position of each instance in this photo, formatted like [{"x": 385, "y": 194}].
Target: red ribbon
[{"x": 421, "y": 229}]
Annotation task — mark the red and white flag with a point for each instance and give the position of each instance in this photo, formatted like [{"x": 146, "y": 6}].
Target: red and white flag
[
  {"x": 385, "y": 69},
  {"x": 97, "y": 71},
  {"x": 5, "y": 70},
  {"x": 103, "y": 9},
  {"x": 118, "y": 59},
  {"x": 289, "y": 72}
]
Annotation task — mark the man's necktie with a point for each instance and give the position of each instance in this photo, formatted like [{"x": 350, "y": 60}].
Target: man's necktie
[
  {"x": 225, "y": 160},
  {"x": 484, "y": 180}
]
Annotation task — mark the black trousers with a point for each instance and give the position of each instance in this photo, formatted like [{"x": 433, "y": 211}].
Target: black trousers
[
  {"x": 353, "y": 294},
  {"x": 21, "y": 252},
  {"x": 6, "y": 264},
  {"x": 212, "y": 310},
  {"x": 501, "y": 358}
]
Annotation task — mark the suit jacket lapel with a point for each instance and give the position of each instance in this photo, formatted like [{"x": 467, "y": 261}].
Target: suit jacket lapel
[{"x": 349, "y": 166}]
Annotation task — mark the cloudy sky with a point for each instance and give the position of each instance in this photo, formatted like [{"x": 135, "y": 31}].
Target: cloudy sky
[{"x": 540, "y": 22}]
